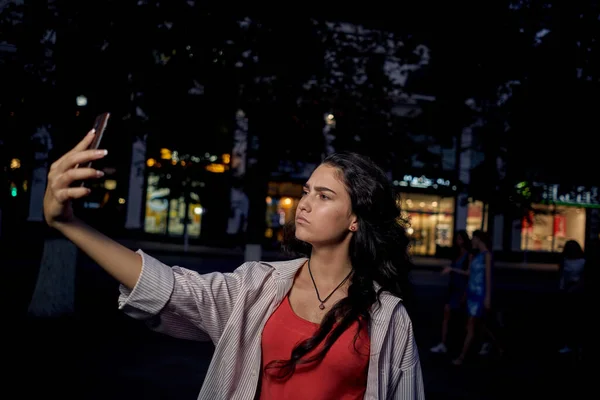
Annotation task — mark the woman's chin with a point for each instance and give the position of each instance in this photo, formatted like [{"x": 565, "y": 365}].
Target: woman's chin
[{"x": 302, "y": 235}]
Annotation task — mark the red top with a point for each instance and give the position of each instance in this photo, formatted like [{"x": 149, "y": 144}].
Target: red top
[{"x": 342, "y": 374}]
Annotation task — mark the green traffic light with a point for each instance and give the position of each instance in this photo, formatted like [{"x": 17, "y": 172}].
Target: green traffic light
[{"x": 13, "y": 192}]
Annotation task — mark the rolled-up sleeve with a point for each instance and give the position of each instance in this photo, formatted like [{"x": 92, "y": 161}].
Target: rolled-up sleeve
[
  {"x": 180, "y": 302},
  {"x": 152, "y": 291}
]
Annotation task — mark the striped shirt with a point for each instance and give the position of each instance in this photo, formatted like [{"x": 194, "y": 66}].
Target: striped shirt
[{"x": 231, "y": 310}]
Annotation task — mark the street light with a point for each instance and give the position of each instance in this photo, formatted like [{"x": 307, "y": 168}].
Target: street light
[
  {"x": 330, "y": 119},
  {"x": 81, "y": 101}
]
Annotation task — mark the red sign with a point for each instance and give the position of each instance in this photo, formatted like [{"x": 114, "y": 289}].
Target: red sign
[
  {"x": 527, "y": 224},
  {"x": 560, "y": 225}
]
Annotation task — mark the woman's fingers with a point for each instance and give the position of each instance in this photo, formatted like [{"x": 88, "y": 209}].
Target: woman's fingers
[
  {"x": 82, "y": 145},
  {"x": 74, "y": 159},
  {"x": 70, "y": 193},
  {"x": 65, "y": 179},
  {"x": 82, "y": 158},
  {"x": 85, "y": 142}
]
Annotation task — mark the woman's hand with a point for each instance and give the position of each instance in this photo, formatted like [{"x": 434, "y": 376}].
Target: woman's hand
[{"x": 63, "y": 172}]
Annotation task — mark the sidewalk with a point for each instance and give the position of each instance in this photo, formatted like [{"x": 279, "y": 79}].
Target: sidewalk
[{"x": 197, "y": 250}]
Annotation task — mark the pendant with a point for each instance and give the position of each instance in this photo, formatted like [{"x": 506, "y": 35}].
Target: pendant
[{"x": 321, "y": 306}]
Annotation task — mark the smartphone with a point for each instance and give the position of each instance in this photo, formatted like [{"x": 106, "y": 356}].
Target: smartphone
[{"x": 99, "y": 126}]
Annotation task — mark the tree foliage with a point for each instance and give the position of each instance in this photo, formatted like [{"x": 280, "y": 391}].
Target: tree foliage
[{"x": 514, "y": 74}]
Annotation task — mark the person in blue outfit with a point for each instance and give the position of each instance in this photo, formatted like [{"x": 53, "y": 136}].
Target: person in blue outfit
[
  {"x": 457, "y": 285},
  {"x": 479, "y": 289}
]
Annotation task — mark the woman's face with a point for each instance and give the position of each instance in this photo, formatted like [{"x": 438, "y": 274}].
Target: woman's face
[{"x": 324, "y": 214}]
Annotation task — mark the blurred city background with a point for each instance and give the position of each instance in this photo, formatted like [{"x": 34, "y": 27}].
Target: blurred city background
[{"x": 483, "y": 115}]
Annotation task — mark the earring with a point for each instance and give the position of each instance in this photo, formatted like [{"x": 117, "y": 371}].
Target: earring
[{"x": 352, "y": 228}]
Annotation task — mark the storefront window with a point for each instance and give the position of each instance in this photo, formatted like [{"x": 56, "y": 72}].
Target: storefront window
[
  {"x": 176, "y": 218},
  {"x": 280, "y": 211},
  {"x": 477, "y": 217},
  {"x": 549, "y": 227},
  {"x": 165, "y": 215},
  {"x": 157, "y": 206},
  {"x": 431, "y": 221},
  {"x": 282, "y": 200}
]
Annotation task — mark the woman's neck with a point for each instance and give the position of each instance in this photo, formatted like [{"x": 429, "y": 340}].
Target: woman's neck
[{"x": 329, "y": 265}]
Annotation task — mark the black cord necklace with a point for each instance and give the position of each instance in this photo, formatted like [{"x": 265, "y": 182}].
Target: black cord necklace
[{"x": 322, "y": 305}]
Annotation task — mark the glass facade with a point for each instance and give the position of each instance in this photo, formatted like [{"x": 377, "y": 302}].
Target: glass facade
[
  {"x": 282, "y": 200},
  {"x": 477, "y": 217},
  {"x": 549, "y": 227},
  {"x": 165, "y": 214},
  {"x": 431, "y": 219}
]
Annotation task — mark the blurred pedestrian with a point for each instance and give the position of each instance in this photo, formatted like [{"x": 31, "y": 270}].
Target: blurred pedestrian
[
  {"x": 570, "y": 285},
  {"x": 479, "y": 292},
  {"x": 458, "y": 273}
]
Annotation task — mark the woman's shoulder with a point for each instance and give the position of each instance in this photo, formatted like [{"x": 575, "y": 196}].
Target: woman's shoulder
[
  {"x": 279, "y": 269},
  {"x": 284, "y": 267},
  {"x": 392, "y": 306}
]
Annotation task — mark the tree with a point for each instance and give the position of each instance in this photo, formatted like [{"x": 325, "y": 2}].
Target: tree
[
  {"x": 363, "y": 80},
  {"x": 29, "y": 26},
  {"x": 499, "y": 76}
]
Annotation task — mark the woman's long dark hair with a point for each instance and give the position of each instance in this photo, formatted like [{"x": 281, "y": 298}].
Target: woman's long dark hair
[
  {"x": 572, "y": 250},
  {"x": 464, "y": 235},
  {"x": 467, "y": 246},
  {"x": 484, "y": 237},
  {"x": 378, "y": 252}
]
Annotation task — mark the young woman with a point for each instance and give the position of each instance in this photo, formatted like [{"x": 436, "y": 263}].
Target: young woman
[
  {"x": 479, "y": 290},
  {"x": 328, "y": 325},
  {"x": 457, "y": 284}
]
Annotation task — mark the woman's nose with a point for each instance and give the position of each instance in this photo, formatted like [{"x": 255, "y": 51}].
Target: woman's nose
[{"x": 304, "y": 204}]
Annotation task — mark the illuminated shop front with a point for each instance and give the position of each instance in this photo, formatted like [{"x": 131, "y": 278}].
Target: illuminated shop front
[
  {"x": 165, "y": 214},
  {"x": 284, "y": 193},
  {"x": 174, "y": 186},
  {"x": 550, "y": 226},
  {"x": 282, "y": 200},
  {"x": 562, "y": 215},
  {"x": 477, "y": 217},
  {"x": 429, "y": 206},
  {"x": 430, "y": 213}
]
